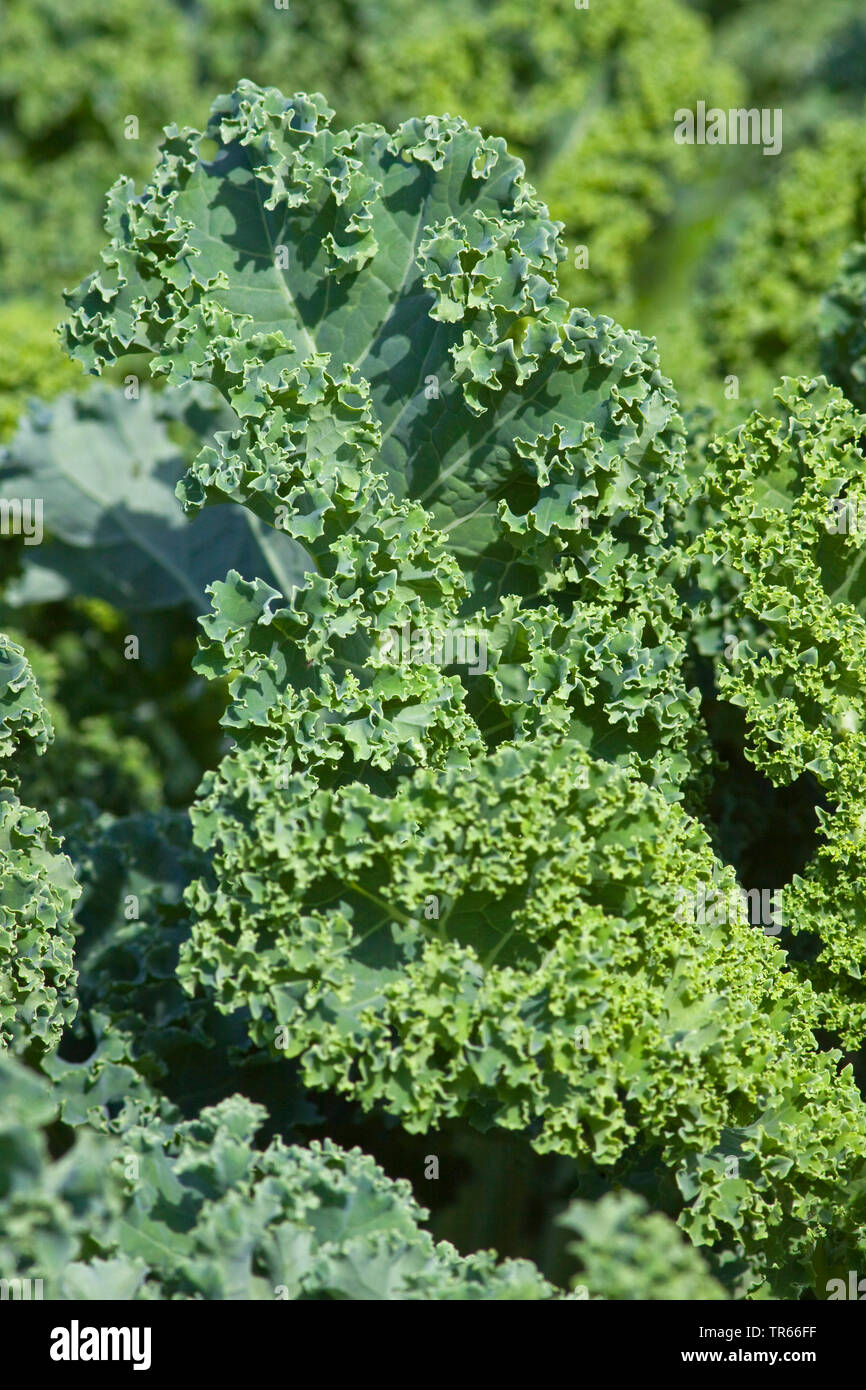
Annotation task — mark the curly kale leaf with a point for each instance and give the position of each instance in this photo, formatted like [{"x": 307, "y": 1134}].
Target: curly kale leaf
[
  {"x": 193, "y": 1209},
  {"x": 791, "y": 493},
  {"x": 37, "y": 884},
  {"x": 380, "y": 311}
]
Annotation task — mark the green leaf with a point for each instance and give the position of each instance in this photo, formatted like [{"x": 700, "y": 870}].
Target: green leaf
[{"x": 104, "y": 468}]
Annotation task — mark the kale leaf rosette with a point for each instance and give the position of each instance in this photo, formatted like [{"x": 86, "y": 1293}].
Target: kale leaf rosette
[{"x": 447, "y": 838}]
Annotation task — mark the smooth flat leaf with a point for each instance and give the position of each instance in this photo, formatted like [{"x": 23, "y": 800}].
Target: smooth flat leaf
[{"x": 105, "y": 469}]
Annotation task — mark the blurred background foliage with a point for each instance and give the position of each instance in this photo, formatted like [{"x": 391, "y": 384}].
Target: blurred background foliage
[{"x": 722, "y": 253}]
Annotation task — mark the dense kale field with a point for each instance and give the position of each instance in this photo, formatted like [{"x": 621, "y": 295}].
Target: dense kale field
[{"x": 433, "y": 670}]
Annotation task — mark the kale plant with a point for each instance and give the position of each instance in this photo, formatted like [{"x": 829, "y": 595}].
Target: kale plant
[{"x": 446, "y": 872}]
